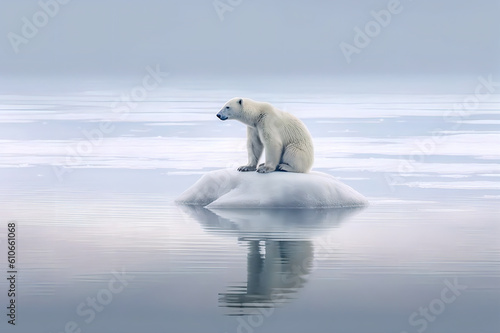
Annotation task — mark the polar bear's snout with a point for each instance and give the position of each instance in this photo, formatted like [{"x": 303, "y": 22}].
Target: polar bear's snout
[{"x": 221, "y": 116}]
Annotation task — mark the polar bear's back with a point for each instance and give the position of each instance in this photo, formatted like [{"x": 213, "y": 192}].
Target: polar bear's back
[{"x": 294, "y": 130}]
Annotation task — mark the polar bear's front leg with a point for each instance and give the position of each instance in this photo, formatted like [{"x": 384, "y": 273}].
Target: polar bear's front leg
[
  {"x": 273, "y": 155},
  {"x": 255, "y": 148}
]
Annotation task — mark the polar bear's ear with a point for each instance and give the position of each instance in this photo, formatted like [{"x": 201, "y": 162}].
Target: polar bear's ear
[{"x": 240, "y": 101}]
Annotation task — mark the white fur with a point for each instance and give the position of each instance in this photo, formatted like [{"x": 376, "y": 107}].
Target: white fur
[{"x": 285, "y": 139}]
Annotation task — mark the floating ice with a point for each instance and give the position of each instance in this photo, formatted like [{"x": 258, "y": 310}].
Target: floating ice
[{"x": 232, "y": 189}]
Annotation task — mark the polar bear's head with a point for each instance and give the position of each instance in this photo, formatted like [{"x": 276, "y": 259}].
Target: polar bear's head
[{"x": 231, "y": 110}]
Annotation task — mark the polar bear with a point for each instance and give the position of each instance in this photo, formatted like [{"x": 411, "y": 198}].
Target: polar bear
[{"x": 284, "y": 137}]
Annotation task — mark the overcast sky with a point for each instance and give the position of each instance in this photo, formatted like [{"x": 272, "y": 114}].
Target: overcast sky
[{"x": 257, "y": 36}]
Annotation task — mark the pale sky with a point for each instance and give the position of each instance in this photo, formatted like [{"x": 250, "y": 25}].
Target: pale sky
[{"x": 255, "y": 37}]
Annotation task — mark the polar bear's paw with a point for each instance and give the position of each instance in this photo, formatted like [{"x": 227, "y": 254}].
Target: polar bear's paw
[
  {"x": 284, "y": 167},
  {"x": 265, "y": 169},
  {"x": 245, "y": 168}
]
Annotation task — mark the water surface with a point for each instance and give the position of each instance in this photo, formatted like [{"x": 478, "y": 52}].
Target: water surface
[{"x": 91, "y": 187}]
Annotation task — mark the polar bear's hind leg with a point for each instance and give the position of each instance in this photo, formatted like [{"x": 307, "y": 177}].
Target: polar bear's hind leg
[{"x": 295, "y": 160}]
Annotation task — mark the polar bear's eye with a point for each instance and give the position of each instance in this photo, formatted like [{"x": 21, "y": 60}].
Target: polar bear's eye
[{"x": 227, "y": 107}]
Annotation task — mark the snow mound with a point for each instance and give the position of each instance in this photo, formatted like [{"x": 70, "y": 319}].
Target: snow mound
[{"x": 232, "y": 189}]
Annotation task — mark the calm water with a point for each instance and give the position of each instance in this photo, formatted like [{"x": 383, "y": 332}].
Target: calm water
[{"x": 101, "y": 247}]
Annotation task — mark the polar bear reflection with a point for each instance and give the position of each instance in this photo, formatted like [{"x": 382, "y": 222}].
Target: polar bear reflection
[
  {"x": 275, "y": 271},
  {"x": 280, "y": 251}
]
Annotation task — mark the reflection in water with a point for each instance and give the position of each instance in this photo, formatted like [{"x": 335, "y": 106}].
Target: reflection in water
[
  {"x": 280, "y": 251},
  {"x": 276, "y": 270}
]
